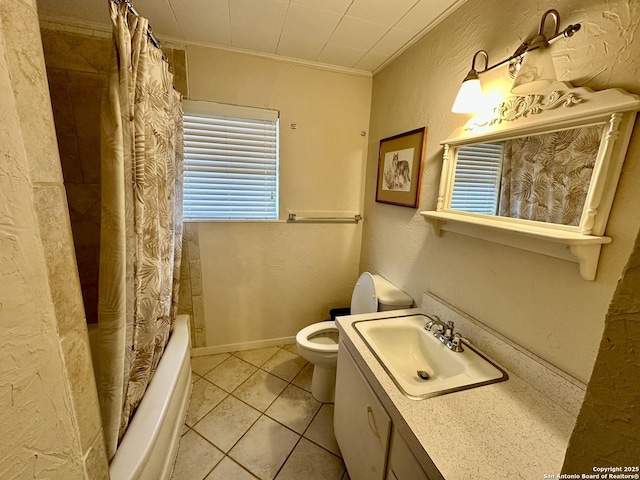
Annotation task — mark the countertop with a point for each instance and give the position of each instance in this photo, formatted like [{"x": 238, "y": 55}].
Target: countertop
[{"x": 504, "y": 430}]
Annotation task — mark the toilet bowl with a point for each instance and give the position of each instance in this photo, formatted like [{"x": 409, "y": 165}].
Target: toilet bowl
[{"x": 318, "y": 343}]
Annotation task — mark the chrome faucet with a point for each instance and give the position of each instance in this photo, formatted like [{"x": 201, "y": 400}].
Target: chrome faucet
[{"x": 444, "y": 333}]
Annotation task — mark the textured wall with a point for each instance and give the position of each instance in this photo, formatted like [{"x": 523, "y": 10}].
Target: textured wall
[
  {"x": 267, "y": 280},
  {"x": 537, "y": 301},
  {"x": 607, "y": 429},
  {"x": 49, "y": 415}
]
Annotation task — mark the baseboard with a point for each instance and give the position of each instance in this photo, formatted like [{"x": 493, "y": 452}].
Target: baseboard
[{"x": 236, "y": 347}]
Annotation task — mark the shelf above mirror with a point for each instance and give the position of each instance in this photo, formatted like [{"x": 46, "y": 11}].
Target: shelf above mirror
[
  {"x": 539, "y": 173},
  {"x": 554, "y": 242}
]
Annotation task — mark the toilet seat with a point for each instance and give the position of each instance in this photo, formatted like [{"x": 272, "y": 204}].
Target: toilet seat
[{"x": 304, "y": 337}]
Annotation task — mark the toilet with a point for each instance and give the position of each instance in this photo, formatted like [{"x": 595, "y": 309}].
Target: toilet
[{"x": 318, "y": 343}]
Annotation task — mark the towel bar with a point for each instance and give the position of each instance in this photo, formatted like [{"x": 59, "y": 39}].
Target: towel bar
[{"x": 295, "y": 219}]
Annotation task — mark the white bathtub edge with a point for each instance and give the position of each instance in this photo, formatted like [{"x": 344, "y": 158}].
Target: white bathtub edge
[{"x": 149, "y": 447}]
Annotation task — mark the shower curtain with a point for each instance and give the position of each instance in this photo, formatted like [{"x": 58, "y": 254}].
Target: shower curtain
[
  {"x": 141, "y": 231},
  {"x": 546, "y": 177}
]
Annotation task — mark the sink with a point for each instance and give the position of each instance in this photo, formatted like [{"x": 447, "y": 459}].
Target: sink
[{"x": 419, "y": 364}]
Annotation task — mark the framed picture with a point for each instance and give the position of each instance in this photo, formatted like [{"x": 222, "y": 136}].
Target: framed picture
[{"x": 400, "y": 168}]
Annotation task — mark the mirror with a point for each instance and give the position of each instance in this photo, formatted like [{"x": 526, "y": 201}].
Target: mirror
[
  {"x": 542, "y": 177},
  {"x": 538, "y": 173}
]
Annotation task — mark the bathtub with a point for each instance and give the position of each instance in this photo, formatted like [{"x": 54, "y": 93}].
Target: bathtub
[{"x": 149, "y": 447}]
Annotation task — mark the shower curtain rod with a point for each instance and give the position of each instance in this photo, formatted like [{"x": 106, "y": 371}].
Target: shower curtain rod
[{"x": 155, "y": 42}]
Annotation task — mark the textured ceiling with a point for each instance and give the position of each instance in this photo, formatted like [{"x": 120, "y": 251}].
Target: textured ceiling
[{"x": 359, "y": 34}]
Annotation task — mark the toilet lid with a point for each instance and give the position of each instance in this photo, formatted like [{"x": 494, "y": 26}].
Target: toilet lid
[{"x": 364, "y": 299}]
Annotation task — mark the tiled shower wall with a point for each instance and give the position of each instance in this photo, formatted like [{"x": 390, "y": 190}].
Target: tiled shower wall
[
  {"x": 191, "y": 301},
  {"x": 77, "y": 69}
]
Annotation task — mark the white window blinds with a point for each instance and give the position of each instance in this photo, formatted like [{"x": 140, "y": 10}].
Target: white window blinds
[
  {"x": 477, "y": 182},
  {"x": 230, "y": 162}
]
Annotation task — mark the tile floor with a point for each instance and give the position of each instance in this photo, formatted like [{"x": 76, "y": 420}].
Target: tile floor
[{"x": 252, "y": 416}]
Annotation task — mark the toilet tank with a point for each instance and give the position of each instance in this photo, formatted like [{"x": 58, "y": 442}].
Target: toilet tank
[{"x": 389, "y": 296}]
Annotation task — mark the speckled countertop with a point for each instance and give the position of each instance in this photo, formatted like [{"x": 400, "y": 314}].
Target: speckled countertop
[{"x": 504, "y": 430}]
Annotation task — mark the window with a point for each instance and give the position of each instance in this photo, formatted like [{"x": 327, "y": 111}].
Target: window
[
  {"x": 477, "y": 182},
  {"x": 230, "y": 162}
]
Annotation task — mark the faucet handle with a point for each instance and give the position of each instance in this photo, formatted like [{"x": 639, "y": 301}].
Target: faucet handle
[
  {"x": 433, "y": 320},
  {"x": 456, "y": 343}
]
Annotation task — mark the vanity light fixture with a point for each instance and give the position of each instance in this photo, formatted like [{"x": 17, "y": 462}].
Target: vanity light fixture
[
  {"x": 537, "y": 70},
  {"x": 530, "y": 75},
  {"x": 470, "y": 92}
]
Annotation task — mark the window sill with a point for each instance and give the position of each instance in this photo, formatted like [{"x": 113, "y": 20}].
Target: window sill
[{"x": 231, "y": 220}]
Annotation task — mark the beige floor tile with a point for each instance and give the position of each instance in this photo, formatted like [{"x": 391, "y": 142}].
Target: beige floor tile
[
  {"x": 258, "y": 356},
  {"x": 346, "y": 475},
  {"x": 310, "y": 462},
  {"x": 260, "y": 390},
  {"x": 294, "y": 408},
  {"x": 292, "y": 347},
  {"x": 196, "y": 457},
  {"x": 321, "y": 429},
  {"x": 230, "y": 373},
  {"x": 264, "y": 448},
  {"x": 285, "y": 365},
  {"x": 203, "y": 365},
  {"x": 204, "y": 396},
  {"x": 303, "y": 379},
  {"x": 227, "y": 469},
  {"x": 227, "y": 422}
]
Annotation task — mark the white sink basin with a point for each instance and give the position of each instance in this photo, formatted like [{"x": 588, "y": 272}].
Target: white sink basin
[{"x": 403, "y": 347}]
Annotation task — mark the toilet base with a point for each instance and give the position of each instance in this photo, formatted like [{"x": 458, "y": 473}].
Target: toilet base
[{"x": 323, "y": 383}]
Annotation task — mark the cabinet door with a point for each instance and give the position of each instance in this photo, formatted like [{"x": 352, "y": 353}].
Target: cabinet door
[
  {"x": 402, "y": 464},
  {"x": 360, "y": 422}
]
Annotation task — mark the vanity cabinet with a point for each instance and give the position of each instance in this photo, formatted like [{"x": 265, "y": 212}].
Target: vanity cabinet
[
  {"x": 361, "y": 424},
  {"x": 402, "y": 465},
  {"x": 363, "y": 427}
]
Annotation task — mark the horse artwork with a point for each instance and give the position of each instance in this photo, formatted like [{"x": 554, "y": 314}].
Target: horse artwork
[{"x": 397, "y": 170}]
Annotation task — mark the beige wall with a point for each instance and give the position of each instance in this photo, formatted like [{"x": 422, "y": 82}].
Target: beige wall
[
  {"x": 49, "y": 416},
  {"x": 539, "y": 302},
  {"x": 267, "y": 280}
]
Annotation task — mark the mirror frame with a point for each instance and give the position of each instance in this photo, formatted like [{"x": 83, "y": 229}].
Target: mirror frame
[{"x": 560, "y": 107}]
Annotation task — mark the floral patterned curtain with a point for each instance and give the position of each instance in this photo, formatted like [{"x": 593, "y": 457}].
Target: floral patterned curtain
[
  {"x": 546, "y": 177},
  {"x": 141, "y": 232}
]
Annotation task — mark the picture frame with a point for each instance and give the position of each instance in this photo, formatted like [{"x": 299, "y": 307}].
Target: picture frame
[{"x": 400, "y": 161}]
